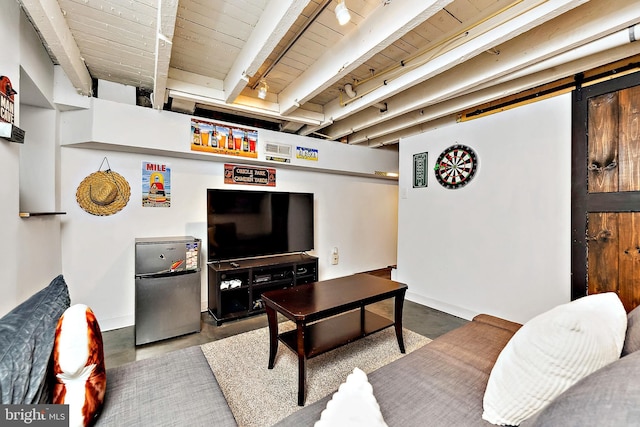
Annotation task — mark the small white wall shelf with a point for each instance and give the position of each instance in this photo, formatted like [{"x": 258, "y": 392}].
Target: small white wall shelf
[{"x": 30, "y": 214}]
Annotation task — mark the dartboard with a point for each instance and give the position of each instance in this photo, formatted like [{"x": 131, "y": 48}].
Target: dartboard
[{"x": 456, "y": 166}]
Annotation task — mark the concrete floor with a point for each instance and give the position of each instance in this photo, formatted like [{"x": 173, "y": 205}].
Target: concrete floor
[{"x": 120, "y": 348}]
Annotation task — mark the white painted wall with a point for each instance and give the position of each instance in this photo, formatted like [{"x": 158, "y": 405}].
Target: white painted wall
[
  {"x": 39, "y": 258},
  {"x": 38, "y": 249},
  {"x": 38, "y": 160},
  {"x": 10, "y": 159},
  {"x": 500, "y": 245},
  {"x": 358, "y": 215},
  {"x": 30, "y": 249}
]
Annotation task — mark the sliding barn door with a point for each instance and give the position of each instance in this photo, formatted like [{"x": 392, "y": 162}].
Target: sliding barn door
[{"x": 606, "y": 190}]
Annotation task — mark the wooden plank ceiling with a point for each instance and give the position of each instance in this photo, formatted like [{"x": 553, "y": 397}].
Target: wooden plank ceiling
[{"x": 409, "y": 63}]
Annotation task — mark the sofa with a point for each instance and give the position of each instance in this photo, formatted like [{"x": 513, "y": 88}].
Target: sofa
[
  {"x": 176, "y": 389},
  {"x": 444, "y": 383}
]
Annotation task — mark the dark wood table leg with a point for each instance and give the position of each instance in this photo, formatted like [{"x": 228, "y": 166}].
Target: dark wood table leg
[
  {"x": 302, "y": 372},
  {"x": 272, "y": 317},
  {"x": 399, "y": 303}
]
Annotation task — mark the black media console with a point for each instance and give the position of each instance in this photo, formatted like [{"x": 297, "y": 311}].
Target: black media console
[{"x": 235, "y": 288}]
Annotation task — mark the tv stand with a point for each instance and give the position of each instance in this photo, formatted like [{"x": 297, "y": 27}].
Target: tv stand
[{"x": 235, "y": 288}]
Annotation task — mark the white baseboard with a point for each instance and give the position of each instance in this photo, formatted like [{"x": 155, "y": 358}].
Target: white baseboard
[
  {"x": 442, "y": 306},
  {"x": 116, "y": 323}
]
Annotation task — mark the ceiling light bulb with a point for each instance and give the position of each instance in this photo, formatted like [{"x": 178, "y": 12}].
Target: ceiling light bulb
[
  {"x": 342, "y": 13},
  {"x": 262, "y": 92}
]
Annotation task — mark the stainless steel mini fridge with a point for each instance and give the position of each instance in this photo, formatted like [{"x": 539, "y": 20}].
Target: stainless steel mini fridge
[{"x": 167, "y": 281}]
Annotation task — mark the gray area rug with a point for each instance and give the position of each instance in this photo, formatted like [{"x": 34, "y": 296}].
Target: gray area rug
[{"x": 261, "y": 397}]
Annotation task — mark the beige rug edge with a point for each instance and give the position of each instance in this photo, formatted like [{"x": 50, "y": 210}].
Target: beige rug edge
[{"x": 260, "y": 397}]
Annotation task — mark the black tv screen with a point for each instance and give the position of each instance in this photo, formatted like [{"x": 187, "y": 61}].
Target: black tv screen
[{"x": 244, "y": 224}]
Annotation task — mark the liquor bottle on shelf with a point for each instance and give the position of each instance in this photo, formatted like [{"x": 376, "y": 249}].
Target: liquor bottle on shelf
[
  {"x": 214, "y": 137},
  {"x": 196, "y": 134},
  {"x": 245, "y": 142}
]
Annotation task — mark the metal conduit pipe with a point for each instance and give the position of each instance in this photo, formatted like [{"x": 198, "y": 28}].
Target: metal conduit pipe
[{"x": 299, "y": 34}]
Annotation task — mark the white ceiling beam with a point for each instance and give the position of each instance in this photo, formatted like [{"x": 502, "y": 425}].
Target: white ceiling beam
[
  {"x": 193, "y": 79},
  {"x": 418, "y": 121},
  {"x": 395, "y": 137},
  {"x": 167, "y": 13},
  {"x": 499, "y": 29},
  {"x": 571, "y": 30},
  {"x": 291, "y": 127},
  {"x": 48, "y": 19},
  {"x": 243, "y": 104},
  {"x": 274, "y": 23},
  {"x": 609, "y": 44},
  {"x": 383, "y": 27},
  {"x": 206, "y": 90}
]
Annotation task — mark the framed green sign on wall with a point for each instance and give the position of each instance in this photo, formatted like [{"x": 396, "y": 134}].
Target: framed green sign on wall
[{"x": 420, "y": 170}]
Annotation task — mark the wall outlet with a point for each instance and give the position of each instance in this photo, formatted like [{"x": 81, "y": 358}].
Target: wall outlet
[{"x": 334, "y": 256}]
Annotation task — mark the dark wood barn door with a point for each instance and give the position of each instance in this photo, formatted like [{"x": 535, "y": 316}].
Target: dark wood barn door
[{"x": 606, "y": 190}]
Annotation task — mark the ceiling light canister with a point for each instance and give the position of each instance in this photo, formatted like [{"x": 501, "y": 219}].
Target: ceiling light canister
[
  {"x": 262, "y": 92},
  {"x": 342, "y": 13},
  {"x": 348, "y": 89}
]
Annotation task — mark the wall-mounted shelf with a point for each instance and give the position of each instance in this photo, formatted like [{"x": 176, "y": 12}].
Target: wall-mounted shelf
[
  {"x": 30, "y": 214},
  {"x": 153, "y": 132},
  {"x": 195, "y": 155},
  {"x": 11, "y": 132}
]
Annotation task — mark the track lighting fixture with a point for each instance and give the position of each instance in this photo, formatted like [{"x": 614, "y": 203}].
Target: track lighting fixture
[
  {"x": 262, "y": 92},
  {"x": 342, "y": 13}
]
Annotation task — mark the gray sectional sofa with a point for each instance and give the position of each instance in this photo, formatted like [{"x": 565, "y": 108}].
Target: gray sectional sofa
[
  {"x": 176, "y": 389},
  {"x": 440, "y": 384}
]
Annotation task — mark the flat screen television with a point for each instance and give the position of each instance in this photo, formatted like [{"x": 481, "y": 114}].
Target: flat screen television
[{"x": 245, "y": 224}]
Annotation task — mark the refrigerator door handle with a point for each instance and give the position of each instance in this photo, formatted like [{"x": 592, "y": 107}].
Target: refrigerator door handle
[{"x": 165, "y": 273}]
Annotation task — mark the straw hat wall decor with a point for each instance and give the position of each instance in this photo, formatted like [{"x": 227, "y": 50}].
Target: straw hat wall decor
[{"x": 103, "y": 192}]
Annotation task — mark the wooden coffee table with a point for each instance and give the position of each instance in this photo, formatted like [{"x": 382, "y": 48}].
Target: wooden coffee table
[{"x": 330, "y": 314}]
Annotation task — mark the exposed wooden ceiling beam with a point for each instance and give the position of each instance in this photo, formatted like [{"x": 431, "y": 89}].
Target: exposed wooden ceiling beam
[
  {"x": 167, "y": 13},
  {"x": 457, "y": 74},
  {"x": 569, "y": 31},
  {"x": 499, "y": 29},
  {"x": 48, "y": 19},
  {"x": 423, "y": 119},
  {"x": 205, "y": 90},
  {"x": 272, "y": 26},
  {"x": 383, "y": 27}
]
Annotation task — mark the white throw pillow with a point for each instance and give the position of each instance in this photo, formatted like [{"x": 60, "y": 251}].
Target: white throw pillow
[
  {"x": 550, "y": 353},
  {"x": 353, "y": 405}
]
